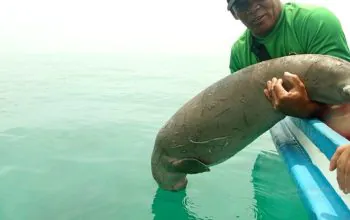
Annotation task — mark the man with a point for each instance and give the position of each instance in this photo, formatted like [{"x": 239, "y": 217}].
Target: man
[{"x": 275, "y": 30}]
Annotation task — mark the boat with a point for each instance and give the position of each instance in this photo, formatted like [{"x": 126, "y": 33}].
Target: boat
[{"x": 306, "y": 147}]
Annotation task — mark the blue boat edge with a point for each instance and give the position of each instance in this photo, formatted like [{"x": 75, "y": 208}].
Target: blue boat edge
[{"x": 320, "y": 198}]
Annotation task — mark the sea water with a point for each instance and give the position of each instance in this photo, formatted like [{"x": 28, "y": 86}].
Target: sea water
[{"x": 77, "y": 133}]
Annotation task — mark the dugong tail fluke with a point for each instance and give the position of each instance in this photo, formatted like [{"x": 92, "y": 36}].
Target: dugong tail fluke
[{"x": 231, "y": 113}]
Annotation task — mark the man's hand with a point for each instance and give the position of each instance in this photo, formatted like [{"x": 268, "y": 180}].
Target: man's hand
[
  {"x": 294, "y": 102},
  {"x": 341, "y": 162}
]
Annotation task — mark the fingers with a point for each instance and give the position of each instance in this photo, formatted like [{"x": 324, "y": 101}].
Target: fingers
[
  {"x": 340, "y": 177},
  {"x": 274, "y": 91},
  {"x": 347, "y": 176},
  {"x": 343, "y": 169},
  {"x": 275, "y": 100},
  {"x": 267, "y": 90},
  {"x": 293, "y": 79},
  {"x": 267, "y": 94},
  {"x": 278, "y": 90},
  {"x": 335, "y": 157}
]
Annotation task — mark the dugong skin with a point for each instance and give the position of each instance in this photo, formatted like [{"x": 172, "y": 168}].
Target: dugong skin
[{"x": 231, "y": 113}]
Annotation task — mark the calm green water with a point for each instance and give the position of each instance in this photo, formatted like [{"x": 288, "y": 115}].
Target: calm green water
[{"x": 77, "y": 132}]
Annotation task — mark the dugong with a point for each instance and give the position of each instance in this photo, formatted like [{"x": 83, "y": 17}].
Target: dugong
[{"x": 231, "y": 113}]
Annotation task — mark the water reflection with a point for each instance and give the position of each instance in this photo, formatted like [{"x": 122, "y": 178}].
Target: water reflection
[
  {"x": 172, "y": 206},
  {"x": 275, "y": 193},
  {"x": 275, "y": 197}
]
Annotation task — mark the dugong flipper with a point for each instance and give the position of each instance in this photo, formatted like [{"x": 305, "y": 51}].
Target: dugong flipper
[
  {"x": 188, "y": 165},
  {"x": 231, "y": 113}
]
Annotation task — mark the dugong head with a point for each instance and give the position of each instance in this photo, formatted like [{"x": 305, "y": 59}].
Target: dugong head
[
  {"x": 170, "y": 172},
  {"x": 167, "y": 180}
]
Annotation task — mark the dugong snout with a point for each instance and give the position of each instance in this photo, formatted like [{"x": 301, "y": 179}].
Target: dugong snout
[
  {"x": 169, "y": 180},
  {"x": 170, "y": 173},
  {"x": 166, "y": 179}
]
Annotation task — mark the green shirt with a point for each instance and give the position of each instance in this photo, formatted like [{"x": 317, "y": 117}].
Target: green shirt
[{"x": 300, "y": 29}]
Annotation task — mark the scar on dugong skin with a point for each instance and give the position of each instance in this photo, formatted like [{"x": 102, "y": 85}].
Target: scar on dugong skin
[{"x": 197, "y": 137}]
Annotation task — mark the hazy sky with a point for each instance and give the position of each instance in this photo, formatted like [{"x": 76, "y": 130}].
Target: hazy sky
[{"x": 181, "y": 26}]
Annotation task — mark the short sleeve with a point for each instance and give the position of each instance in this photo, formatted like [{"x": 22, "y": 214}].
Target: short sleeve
[
  {"x": 234, "y": 60},
  {"x": 322, "y": 33}
]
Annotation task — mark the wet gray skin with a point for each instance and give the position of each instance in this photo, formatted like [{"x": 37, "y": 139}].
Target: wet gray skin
[{"x": 231, "y": 113}]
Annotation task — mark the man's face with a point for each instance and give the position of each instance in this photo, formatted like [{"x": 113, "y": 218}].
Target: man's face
[{"x": 259, "y": 16}]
